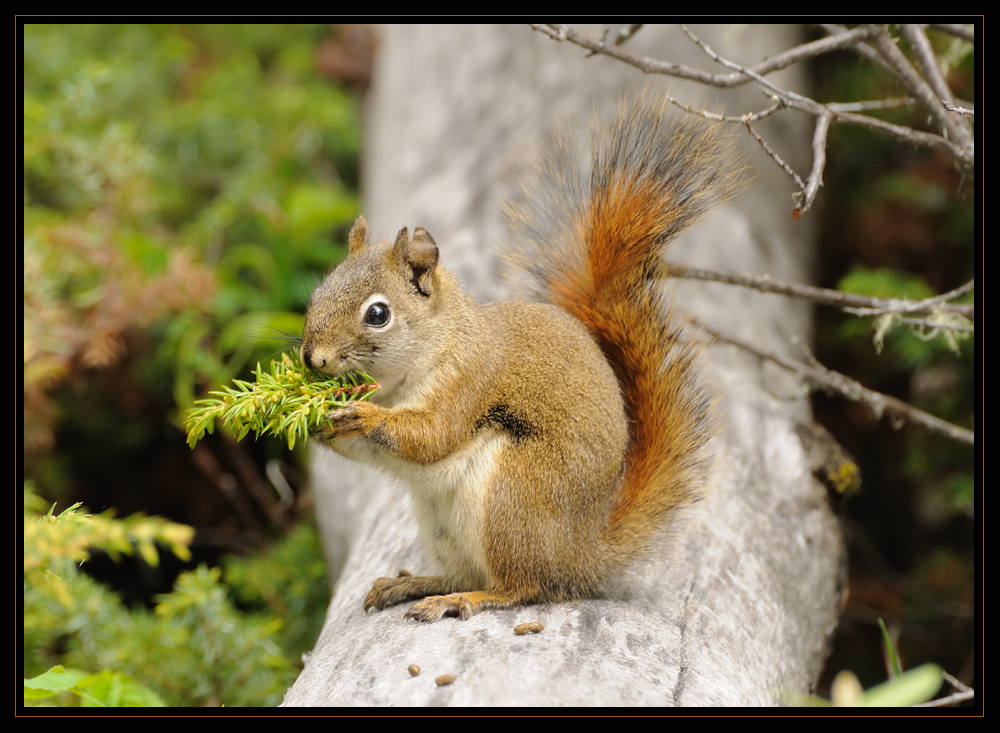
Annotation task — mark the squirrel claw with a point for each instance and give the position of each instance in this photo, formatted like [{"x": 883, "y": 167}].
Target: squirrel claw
[
  {"x": 382, "y": 592},
  {"x": 347, "y": 421},
  {"x": 434, "y": 608},
  {"x": 389, "y": 591}
]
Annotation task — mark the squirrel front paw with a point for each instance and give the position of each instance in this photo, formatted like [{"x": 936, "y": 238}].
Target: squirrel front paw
[
  {"x": 350, "y": 421},
  {"x": 389, "y": 591}
]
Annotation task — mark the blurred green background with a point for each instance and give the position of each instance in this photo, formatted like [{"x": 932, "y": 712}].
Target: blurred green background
[{"x": 185, "y": 189}]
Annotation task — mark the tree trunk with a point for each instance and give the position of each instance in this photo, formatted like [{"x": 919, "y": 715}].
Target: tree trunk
[{"x": 740, "y": 605}]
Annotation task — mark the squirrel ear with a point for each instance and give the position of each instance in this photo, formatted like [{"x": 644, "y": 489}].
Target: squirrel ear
[
  {"x": 357, "y": 240},
  {"x": 419, "y": 256}
]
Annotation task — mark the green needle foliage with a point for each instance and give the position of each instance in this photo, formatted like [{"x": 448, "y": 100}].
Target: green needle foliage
[
  {"x": 197, "y": 648},
  {"x": 289, "y": 401}
]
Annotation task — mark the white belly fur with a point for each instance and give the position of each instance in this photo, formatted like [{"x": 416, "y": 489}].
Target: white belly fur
[{"x": 449, "y": 498}]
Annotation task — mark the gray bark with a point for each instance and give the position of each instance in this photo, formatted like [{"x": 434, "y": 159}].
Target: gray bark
[{"x": 739, "y": 606}]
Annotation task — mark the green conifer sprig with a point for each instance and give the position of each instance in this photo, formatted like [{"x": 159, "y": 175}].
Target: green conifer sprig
[{"x": 289, "y": 401}]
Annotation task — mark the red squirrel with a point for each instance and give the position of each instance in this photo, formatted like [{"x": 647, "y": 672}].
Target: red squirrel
[{"x": 545, "y": 444}]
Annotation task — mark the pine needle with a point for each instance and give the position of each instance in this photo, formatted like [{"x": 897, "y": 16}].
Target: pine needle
[{"x": 289, "y": 401}]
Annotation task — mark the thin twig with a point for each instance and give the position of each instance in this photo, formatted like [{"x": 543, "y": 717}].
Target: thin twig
[
  {"x": 915, "y": 36},
  {"x": 645, "y": 63},
  {"x": 877, "y": 402},
  {"x": 952, "y": 699},
  {"x": 949, "y": 126},
  {"x": 964, "y": 154},
  {"x": 872, "y": 104},
  {"x": 955, "y": 682},
  {"x": 715, "y": 116},
  {"x": 924, "y": 323},
  {"x": 754, "y": 116},
  {"x": 959, "y": 110},
  {"x": 823, "y": 296},
  {"x": 840, "y": 39},
  {"x": 774, "y": 156},
  {"x": 604, "y": 38},
  {"x": 912, "y": 306},
  {"x": 866, "y": 52},
  {"x": 917, "y": 137},
  {"x": 781, "y": 93},
  {"x": 819, "y": 159},
  {"x": 965, "y": 32},
  {"x": 804, "y": 51},
  {"x": 626, "y": 33}
]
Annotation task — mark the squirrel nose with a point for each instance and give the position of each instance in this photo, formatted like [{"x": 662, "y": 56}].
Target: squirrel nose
[{"x": 308, "y": 358}]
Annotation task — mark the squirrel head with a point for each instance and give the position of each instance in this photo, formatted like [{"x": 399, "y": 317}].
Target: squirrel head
[{"x": 375, "y": 311}]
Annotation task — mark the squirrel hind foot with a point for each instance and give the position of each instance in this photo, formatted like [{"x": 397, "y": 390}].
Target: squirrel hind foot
[
  {"x": 462, "y": 605},
  {"x": 387, "y": 592}
]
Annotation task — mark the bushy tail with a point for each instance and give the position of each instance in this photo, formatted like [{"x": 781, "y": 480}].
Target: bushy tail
[{"x": 592, "y": 248}]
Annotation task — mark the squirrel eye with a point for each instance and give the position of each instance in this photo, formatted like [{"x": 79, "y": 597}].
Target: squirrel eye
[{"x": 377, "y": 315}]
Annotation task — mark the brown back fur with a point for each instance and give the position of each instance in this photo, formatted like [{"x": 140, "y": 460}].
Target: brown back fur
[{"x": 591, "y": 248}]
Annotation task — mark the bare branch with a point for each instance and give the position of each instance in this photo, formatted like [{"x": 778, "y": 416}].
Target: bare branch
[
  {"x": 742, "y": 119},
  {"x": 825, "y": 116},
  {"x": 840, "y": 39},
  {"x": 819, "y": 159},
  {"x": 861, "y": 49},
  {"x": 604, "y": 38},
  {"x": 965, "y": 32},
  {"x": 915, "y": 36},
  {"x": 550, "y": 30},
  {"x": 924, "y": 323},
  {"x": 774, "y": 156},
  {"x": 878, "y": 403},
  {"x": 959, "y": 110},
  {"x": 957, "y": 151},
  {"x": 922, "y": 92},
  {"x": 626, "y": 33},
  {"x": 912, "y": 306},
  {"x": 869, "y": 105},
  {"x": 952, "y": 699},
  {"x": 754, "y": 116},
  {"x": 916, "y": 137},
  {"x": 823, "y": 296},
  {"x": 966, "y": 155},
  {"x": 644, "y": 63},
  {"x": 955, "y": 682},
  {"x": 781, "y": 93},
  {"x": 834, "y": 42}
]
